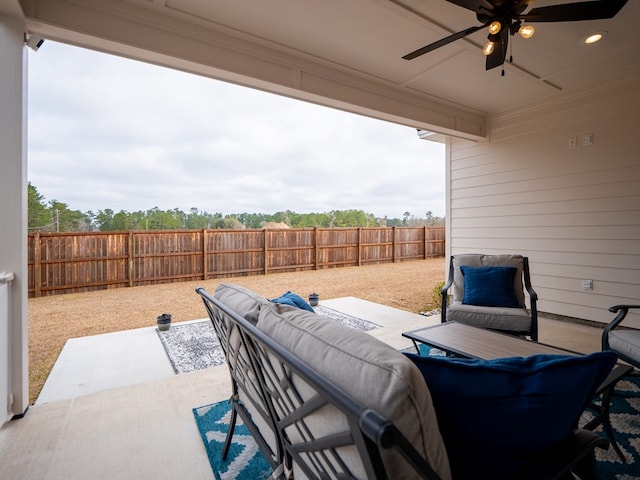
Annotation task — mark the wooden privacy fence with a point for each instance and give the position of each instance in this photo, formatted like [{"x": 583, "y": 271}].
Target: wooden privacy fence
[{"x": 80, "y": 262}]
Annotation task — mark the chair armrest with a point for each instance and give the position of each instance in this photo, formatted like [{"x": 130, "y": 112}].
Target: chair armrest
[
  {"x": 622, "y": 311},
  {"x": 444, "y": 292},
  {"x": 385, "y": 434},
  {"x": 533, "y": 296},
  {"x": 533, "y": 299},
  {"x": 626, "y": 308}
]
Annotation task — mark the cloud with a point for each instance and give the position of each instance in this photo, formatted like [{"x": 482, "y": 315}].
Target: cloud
[{"x": 108, "y": 132}]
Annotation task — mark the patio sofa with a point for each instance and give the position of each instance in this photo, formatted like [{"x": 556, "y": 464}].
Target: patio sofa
[{"x": 326, "y": 401}]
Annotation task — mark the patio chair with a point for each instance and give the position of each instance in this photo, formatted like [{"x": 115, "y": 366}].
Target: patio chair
[
  {"x": 624, "y": 342},
  {"x": 488, "y": 291}
]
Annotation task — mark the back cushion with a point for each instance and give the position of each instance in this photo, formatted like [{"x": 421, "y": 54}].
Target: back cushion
[
  {"x": 480, "y": 260},
  {"x": 241, "y": 300},
  {"x": 489, "y": 286},
  {"x": 371, "y": 372}
]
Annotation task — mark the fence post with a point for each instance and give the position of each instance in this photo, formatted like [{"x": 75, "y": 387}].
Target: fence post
[
  {"x": 426, "y": 240},
  {"x": 359, "y": 246},
  {"x": 393, "y": 244},
  {"x": 205, "y": 274},
  {"x": 131, "y": 273},
  {"x": 315, "y": 248},
  {"x": 37, "y": 265},
  {"x": 265, "y": 251}
]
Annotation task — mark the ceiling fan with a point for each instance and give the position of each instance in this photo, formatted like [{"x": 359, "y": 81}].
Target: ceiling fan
[{"x": 506, "y": 17}]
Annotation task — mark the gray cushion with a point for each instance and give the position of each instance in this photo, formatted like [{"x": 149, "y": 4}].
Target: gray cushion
[
  {"x": 497, "y": 318},
  {"x": 241, "y": 300},
  {"x": 627, "y": 342},
  {"x": 480, "y": 260},
  {"x": 372, "y": 372}
]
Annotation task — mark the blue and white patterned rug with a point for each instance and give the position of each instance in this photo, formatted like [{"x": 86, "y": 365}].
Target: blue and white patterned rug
[
  {"x": 244, "y": 461},
  {"x": 625, "y": 420},
  {"x": 194, "y": 345}
]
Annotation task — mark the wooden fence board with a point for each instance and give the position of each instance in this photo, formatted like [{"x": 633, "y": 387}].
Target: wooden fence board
[{"x": 80, "y": 262}]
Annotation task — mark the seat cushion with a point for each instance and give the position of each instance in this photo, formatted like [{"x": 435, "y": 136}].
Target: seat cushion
[
  {"x": 497, "y": 416},
  {"x": 372, "y": 372},
  {"x": 496, "y": 318},
  {"x": 627, "y": 342}
]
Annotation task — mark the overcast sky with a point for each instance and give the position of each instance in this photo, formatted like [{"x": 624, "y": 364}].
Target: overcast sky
[{"x": 107, "y": 132}]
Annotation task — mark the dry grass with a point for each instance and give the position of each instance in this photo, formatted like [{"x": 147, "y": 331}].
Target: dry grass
[{"x": 54, "y": 319}]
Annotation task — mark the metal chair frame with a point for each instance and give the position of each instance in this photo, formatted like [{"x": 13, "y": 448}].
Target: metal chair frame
[{"x": 239, "y": 361}]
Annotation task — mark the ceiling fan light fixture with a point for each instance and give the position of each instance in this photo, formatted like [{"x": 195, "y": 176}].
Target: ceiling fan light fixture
[
  {"x": 526, "y": 31},
  {"x": 594, "y": 37},
  {"x": 495, "y": 27},
  {"x": 488, "y": 48}
]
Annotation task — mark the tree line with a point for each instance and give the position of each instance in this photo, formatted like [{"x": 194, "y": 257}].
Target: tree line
[{"x": 56, "y": 216}]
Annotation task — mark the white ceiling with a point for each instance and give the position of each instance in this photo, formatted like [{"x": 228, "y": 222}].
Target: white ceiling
[{"x": 361, "y": 42}]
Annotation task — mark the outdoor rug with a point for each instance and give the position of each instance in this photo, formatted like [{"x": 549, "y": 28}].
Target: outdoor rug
[
  {"x": 245, "y": 462},
  {"x": 625, "y": 420},
  {"x": 191, "y": 346},
  {"x": 343, "y": 318},
  {"x": 194, "y": 346}
]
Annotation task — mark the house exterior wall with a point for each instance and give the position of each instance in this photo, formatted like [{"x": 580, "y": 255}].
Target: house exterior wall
[{"x": 574, "y": 211}]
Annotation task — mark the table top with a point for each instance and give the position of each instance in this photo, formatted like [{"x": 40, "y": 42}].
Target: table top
[{"x": 473, "y": 342}]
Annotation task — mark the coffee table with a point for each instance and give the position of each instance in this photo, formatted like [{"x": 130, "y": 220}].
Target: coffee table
[{"x": 472, "y": 342}]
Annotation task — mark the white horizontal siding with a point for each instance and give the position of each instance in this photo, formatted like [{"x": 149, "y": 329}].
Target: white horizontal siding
[{"x": 574, "y": 212}]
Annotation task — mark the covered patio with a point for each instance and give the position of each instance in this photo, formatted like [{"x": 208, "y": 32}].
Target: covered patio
[{"x": 541, "y": 162}]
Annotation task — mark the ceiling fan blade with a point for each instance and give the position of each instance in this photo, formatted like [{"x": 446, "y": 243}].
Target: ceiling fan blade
[
  {"x": 442, "y": 42},
  {"x": 473, "y": 5},
  {"x": 575, "y": 12},
  {"x": 500, "y": 51}
]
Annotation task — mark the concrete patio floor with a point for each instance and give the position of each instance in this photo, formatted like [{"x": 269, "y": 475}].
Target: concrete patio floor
[{"x": 112, "y": 408}]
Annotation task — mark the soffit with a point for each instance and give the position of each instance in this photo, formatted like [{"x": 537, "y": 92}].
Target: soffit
[{"x": 360, "y": 43}]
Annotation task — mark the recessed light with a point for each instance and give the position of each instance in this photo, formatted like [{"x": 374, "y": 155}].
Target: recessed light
[{"x": 594, "y": 37}]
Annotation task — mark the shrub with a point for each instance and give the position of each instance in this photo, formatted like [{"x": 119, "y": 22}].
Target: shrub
[{"x": 436, "y": 294}]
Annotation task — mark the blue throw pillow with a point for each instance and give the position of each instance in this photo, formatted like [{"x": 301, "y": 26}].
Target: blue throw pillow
[
  {"x": 489, "y": 286},
  {"x": 289, "y": 298},
  {"x": 498, "y": 416}
]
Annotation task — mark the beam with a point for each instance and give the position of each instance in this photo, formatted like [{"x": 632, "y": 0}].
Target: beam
[{"x": 158, "y": 36}]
